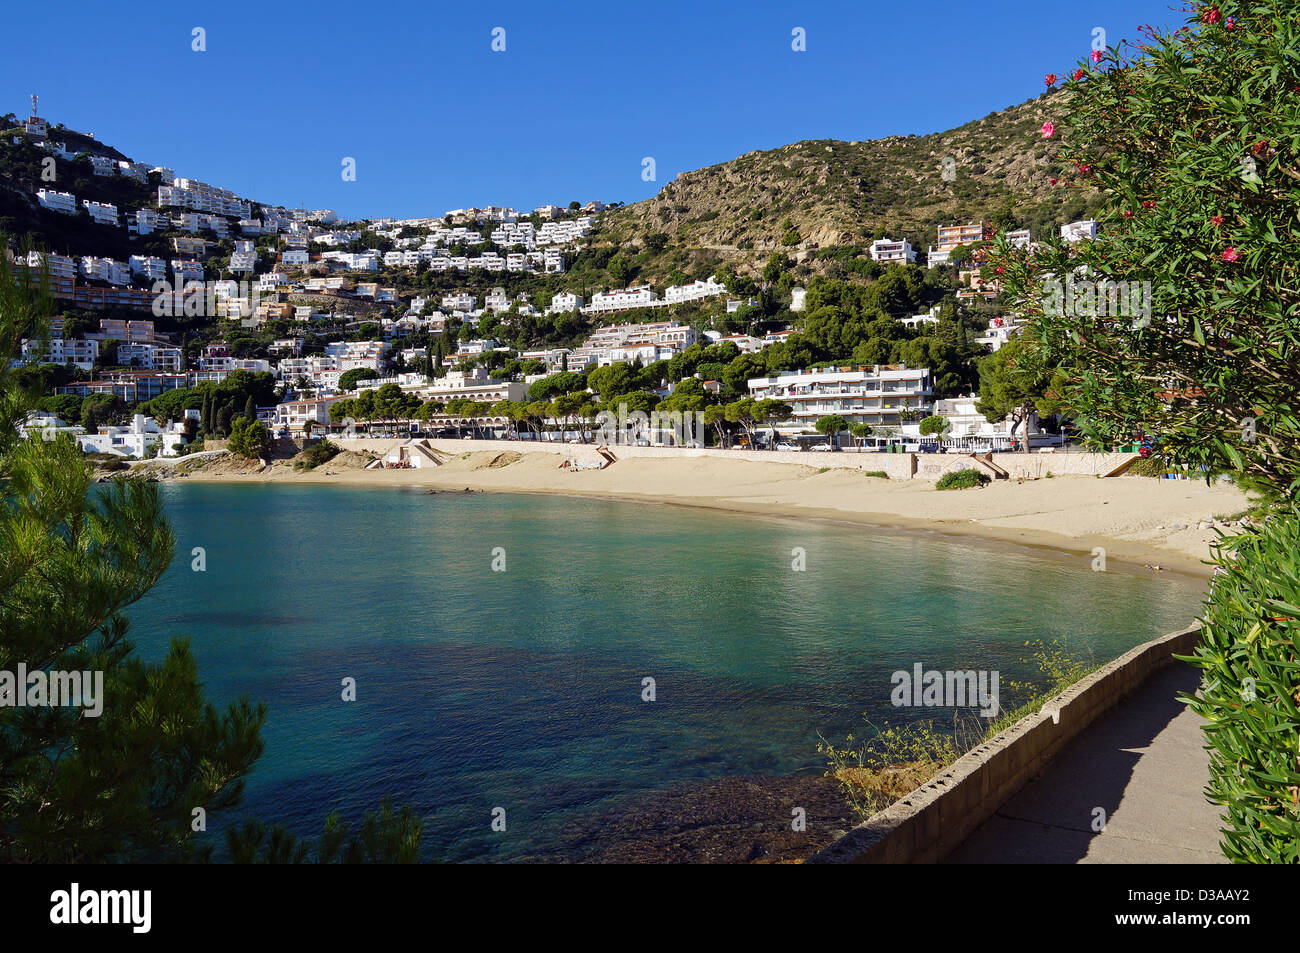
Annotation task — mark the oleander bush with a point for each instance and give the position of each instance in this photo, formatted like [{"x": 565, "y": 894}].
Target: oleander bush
[
  {"x": 1250, "y": 656},
  {"x": 1193, "y": 138}
]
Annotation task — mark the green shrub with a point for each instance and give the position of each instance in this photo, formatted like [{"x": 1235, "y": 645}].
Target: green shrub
[
  {"x": 316, "y": 454},
  {"x": 1250, "y": 659},
  {"x": 876, "y": 473},
  {"x": 1147, "y": 467},
  {"x": 961, "y": 480}
]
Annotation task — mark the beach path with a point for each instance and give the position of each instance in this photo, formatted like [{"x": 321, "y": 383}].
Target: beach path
[{"x": 1143, "y": 764}]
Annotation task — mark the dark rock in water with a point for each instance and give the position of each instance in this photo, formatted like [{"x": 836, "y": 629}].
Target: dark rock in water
[{"x": 733, "y": 820}]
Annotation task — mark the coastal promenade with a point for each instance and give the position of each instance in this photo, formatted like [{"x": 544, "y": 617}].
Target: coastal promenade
[{"x": 1142, "y": 764}]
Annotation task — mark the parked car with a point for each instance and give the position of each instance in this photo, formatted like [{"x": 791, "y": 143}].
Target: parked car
[
  {"x": 821, "y": 447},
  {"x": 785, "y": 446}
]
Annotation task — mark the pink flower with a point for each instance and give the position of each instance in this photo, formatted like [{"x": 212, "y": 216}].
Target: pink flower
[
  {"x": 999, "y": 269},
  {"x": 1096, "y": 56},
  {"x": 1051, "y": 181},
  {"x": 1078, "y": 74},
  {"x": 1230, "y": 254},
  {"x": 1128, "y": 213},
  {"x": 1050, "y": 79},
  {"x": 1212, "y": 15},
  {"x": 1049, "y": 130},
  {"x": 1216, "y": 221},
  {"x": 1230, "y": 24}
]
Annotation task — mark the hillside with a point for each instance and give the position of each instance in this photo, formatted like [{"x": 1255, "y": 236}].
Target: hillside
[{"x": 837, "y": 193}]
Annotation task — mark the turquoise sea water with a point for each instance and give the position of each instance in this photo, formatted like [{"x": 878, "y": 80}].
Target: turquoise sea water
[{"x": 522, "y": 689}]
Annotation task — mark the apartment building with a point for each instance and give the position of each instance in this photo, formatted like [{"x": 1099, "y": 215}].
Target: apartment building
[
  {"x": 623, "y": 299},
  {"x": 147, "y": 221},
  {"x": 65, "y": 203},
  {"x": 106, "y": 269},
  {"x": 194, "y": 247},
  {"x": 695, "y": 291},
  {"x": 879, "y": 395},
  {"x": 1085, "y": 230},
  {"x": 154, "y": 269},
  {"x": 152, "y": 357},
  {"x": 133, "y": 332},
  {"x": 460, "y": 301},
  {"x": 186, "y": 270},
  {"x": 57, "y": 350},
  {"x": 60, "y": 266},
  {"x": 564, "y": 302},
  {"x": 193, "y": 194},
  {"x": 952, "y": 236},
  {"x": 101, "y": 213}
]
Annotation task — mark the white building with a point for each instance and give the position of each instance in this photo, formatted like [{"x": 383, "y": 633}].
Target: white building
[
  {"x": 64, "y": 203},
  {"x": 695, "y": 291},
  {"x": 136, "y": 439},
  {"x": 1085, "y": 230},
  {"x": 565, "y": 302},
  {"x": 82, "y": 354},
  {"x": 890, "y": 252},
  {"x": 623, "y": 299},
  {"x": 106, "y": 269},
  {"x": 879, "y": 395},
  {"x": 101, "y": 213}
]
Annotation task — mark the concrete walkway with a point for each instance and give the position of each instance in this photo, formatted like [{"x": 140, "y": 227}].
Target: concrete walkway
[{"x": 1143, "y": 764}]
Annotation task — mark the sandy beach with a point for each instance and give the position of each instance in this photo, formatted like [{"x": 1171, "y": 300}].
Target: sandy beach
[{"x": 1139, "y": 521}]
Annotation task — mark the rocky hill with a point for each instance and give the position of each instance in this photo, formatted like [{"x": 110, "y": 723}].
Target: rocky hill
[{"x": 819, "y": 193}]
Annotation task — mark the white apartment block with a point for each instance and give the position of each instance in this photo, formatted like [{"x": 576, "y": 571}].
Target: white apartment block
[
  {"x": 150, "y": 357},
  {"x": 244, "y": 262},
  {"x": 147, "y": 221},
  {"x": 193, "y": 194},
  {"x": 887, "y": 251},
  {"x": 294, "y": 257},
  {"x": 564, "y": 302},
  {"x": 186, "y": 270},
  {"x": 1085, "y": 230},
  {"x": 103, "y": 165},
  {"x": 876, "y": 395},
  {"x": 64, "y": 203},
  {"x": 695, "y": 291},
  {"x": 623, "y": 299},
  {"x": 60, "y": 266},
  {"x": 271, "y": 280},
  {"x": 83, "y": 354},
  {"x": 155, "y": 269},
  {"x": 106, "y": 269},
  {"x": 134, "y": 170},
  {"x": 460, "y": 301}
]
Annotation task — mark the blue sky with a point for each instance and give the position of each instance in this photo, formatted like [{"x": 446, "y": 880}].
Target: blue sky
[{"x": 435, "y": 119}]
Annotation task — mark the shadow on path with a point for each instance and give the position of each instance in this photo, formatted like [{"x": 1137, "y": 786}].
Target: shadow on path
[{"x": 1127, "y": 790}]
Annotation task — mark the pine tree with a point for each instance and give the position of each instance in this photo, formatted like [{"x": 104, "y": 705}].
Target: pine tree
[
  {"x": 123, "y": 784},
  {"x": 250, "y": 408}
]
